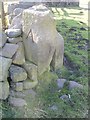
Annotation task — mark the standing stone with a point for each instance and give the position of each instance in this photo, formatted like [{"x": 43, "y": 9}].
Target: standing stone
[
  {"x": 4, "y": 67},
  {"x": 17, "y": 73},
  {"x": 4, "y": 90},
  {"x": 31, "y": 70},
  {"x": 19, "y": 57},
  {"x": 28, "y": 84},
  {"x": 3, "y": 39},
  {"x": 8, "y": 50},
  {"x": 15, "y": 40},
  {"x": 43, "y": 45}
]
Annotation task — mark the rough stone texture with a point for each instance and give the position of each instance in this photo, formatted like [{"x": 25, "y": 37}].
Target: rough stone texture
[
  {"x": 64, "y": 97},
  {"x": 18, "y": 86},
  {"x": 73, "y": 84},
  {"x": 13, "y": 32},
  {"x": 17, "y": 73},
  {"x": 17, "y": 102},
  {"x": 19, "y": 57},
  {"x": 43, "y": 45},
  {"x": 31, "y": 70},
  {"x": 60, "y": 83},
  {"x": 4, "y": 67},
  {"x": 8, "y": 50},
  {"x": 3, "y": 39},
  {"x": 17, "y": 11},
  {"x": 15, "y": 40},
  {"x": 16, "y": 22},
  {"x": 28, "y": 84},
  {"x": 4, "y": 90}
]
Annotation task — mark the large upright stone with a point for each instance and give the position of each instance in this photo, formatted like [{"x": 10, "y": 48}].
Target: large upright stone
[
  {"x": 3, "y": 39},
  {"x": 17, "y": 73},
  {"x": 19, "y": 57},
  {"x": 43, "y": 45},
  {"x": 4, "y": 67}
]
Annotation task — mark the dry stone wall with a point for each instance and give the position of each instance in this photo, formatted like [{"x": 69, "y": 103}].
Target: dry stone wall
[{"x": 30, "y": 46}]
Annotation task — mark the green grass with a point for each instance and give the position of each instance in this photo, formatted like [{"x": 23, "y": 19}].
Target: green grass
[{"x": 75, "y": 69}]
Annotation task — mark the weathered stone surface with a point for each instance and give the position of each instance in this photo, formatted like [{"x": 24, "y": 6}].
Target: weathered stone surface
[
  {"x": 73, "y": 84},
  {"x": 64, "y": 97},
  {"x": 16, "y": 22},
  {"x": 43, "y": 45},
  {"x": 17, "y": 102},
  {"x": 18, "y": 86},
  {"x": 28, "y": 84},
  {"x": 13, "y": 33},
  {"x": 17, "y": 73},
  {"x": 31, "y": 70},
  {"x": 4, "y": 90},
  {"x": 3, "y": 39},
  {"x": 19, "y": 57},
  {"x": 60, "y": 83},
  {"x": 4, "y": 67},
  {"x": 8, "y": 50},
  {"x": 17, "y": 11},
  {"x": 15, "y": 40}
]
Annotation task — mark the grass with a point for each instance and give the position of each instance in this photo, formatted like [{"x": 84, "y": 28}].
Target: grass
[{"x": 75, "y": 68}]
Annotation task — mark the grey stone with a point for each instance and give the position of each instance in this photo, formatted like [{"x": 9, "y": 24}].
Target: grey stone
[
  {"x": 18, "y": 86},
  {"x": 28, "y": 84},
  {"x": 15, "y": 40},
  {"x": 13, "y": 33},
  {"x": 64, "y": 97},
  {"x": 73, "y": 84},
  {"x": 60, "y": 83},
  {"x": 42, "y": 49},
  {"x": 17, "y": 11},
  {"x": 17, "y": 102},
  {"x": 19, "y": 57},
  {"x": 3, "y": 39},
  {"x": 4, "y": 90},
  {"x": 31, "y": 70},
  {"x": 17, "y": 73},
  {"x": 8, "y": 50},
  {"x": 54, "y": 108},
  {"x": 4, "y": 67}
]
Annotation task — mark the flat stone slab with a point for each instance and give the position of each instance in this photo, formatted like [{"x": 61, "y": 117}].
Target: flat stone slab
[
  {"x": 17, "y": 102},
  {"x": 73, "y": 84},
  {"x": 15, "y": 40},
  {"x": 4, "y": 90},
  {"x": 8, "y": 50},
  {"x": 19, "y": 57},
  {"x": 4, "y": 67},
  {"x": 17, "y": 73},
  {"x": 3, "y": 39},
  {"x": 13, "y": 33},
  {"x": 60, "y": 83},
  {"x": 31, "y": 70}
]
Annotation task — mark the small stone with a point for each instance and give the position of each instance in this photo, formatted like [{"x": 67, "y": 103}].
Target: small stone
[
  {"x": 17, "y": 94},
  {"x": 4, "y": 90},
  {"x": 31, "y": 70},
  {"x": 4, "y": 67},
  {"x": 54, "y": 108},
  {"x": 15, "y": 40},
  {"x": 8, "y": 50},
  {"x": 64, "y": 97},
  {"x": 17, "y": 73},
  {"x": 17, "y": 86},
  {"x": 19, "y": 57},
  {"x": 13, "y": 33},
  {"x": 60, "y": 83},
  {"x": 73, "y": 84},
  {"x": 3, "y": 39},
  {"x": 17, "y": 102},
  {"x": 28, "y": 84}
]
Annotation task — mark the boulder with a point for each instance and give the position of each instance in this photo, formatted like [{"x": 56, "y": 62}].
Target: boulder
[
  {"x": 17, "y": 73},
  {"x": 43, "y": 45},
  {"x": 4, "y": 90},
  {"x": 13, "y": 32},
  {"x": 73, "y": 84},
  {"x": 19, "y": 57},
  {"x": 4, "y": 67},
  {"x": 17, "y": 102},
  {"x": 60, "y": 83},
  {"x": 15, "y": 40},
  {"x": 3, "y": 39},
  {"x": 28, "y": 84},
  {"x": 31, "y": 70},
  {"x": 8, "y": 50}
]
